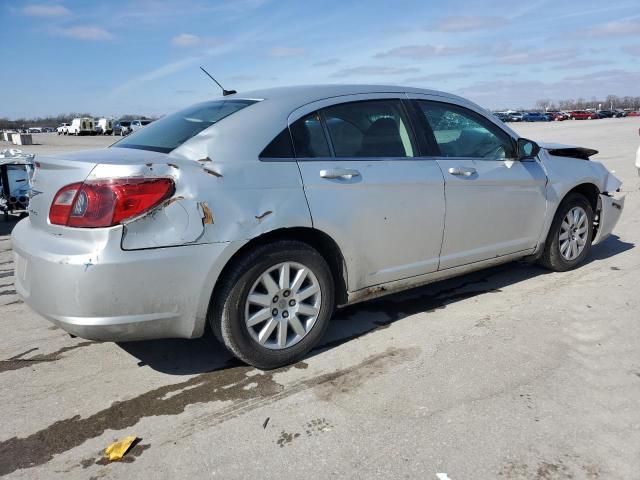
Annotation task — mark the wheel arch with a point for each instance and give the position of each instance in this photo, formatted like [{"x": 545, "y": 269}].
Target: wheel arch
[
  {"x": 323, "y": 243},
  {"x": 588, "y": 190}
]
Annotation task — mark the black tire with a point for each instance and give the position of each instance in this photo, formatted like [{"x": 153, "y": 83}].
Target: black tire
[
  {"x": 226, "y": 311},
  {"x": 551, "y": 257}
]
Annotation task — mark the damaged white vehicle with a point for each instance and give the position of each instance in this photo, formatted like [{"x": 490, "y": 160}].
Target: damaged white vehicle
[
  {"x": 14, "y": 181},
  {"x": 257, "y": 214}
]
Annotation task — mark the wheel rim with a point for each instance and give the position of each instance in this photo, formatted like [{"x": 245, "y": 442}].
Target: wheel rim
[
  {"x": 573, "y": 233},
  {"x": 283, "y": 305}
]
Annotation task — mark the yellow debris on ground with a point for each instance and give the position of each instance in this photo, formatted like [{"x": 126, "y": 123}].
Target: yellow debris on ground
[{"x": 116, "y": 450}]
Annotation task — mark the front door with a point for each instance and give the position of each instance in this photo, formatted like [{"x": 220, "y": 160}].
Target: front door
[{"x": 495, "y": 204}]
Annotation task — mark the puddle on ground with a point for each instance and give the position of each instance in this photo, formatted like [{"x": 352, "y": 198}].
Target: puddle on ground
[{"x": 226, "y": 384}]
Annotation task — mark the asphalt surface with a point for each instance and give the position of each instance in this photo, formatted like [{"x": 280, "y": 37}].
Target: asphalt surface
[{"x": 508, "y": 373}]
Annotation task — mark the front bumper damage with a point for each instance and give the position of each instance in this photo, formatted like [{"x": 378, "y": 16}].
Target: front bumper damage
[{"x": 609, "y": 211}]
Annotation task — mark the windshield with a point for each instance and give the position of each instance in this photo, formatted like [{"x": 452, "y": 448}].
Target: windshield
[{"x": 171, "y": 131}]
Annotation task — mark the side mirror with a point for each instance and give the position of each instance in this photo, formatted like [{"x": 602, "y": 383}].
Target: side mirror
[{"x": 527, "y": 148}]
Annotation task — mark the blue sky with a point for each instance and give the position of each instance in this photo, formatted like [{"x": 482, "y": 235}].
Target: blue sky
[{"x": 142, "y": 56}]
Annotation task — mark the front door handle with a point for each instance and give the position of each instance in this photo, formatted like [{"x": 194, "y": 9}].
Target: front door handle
[
  {"x": 463, "y": 171},
  {"x": 345, "y": 173}
]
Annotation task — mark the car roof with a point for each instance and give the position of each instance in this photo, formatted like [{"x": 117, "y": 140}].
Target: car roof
[{"x": 303, "y": 94}]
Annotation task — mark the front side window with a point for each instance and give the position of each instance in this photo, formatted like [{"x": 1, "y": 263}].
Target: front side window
[
  {"x": 459, "y": 132},
  {"x": 376, "y": 128},
  {"x": 169, "y": 132}
]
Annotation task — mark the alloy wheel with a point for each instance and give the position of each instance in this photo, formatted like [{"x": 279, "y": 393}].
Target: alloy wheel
[
  {"x": 283, "y": 305},
  {"x": 573, "y": 233}
]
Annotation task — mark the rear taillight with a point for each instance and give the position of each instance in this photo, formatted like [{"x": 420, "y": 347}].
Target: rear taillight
[{"x": 104, "y": 203}]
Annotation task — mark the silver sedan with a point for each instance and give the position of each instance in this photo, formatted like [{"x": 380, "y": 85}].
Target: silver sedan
[{"x": 257, "y": 214}]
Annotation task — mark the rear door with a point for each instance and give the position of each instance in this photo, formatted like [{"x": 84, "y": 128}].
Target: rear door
[
  {"x": 367, "y": 187},
  {"x": 495, "y": 204}
]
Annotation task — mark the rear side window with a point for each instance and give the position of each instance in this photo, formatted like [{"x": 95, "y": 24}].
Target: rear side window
[
  {"x": 171, "y": 131},
  {"x": 280, "y": 147},
  {"x": 460, "y": 132},
  {"x": 377, "y": 128},
  {"x": 309, "y": 140}
]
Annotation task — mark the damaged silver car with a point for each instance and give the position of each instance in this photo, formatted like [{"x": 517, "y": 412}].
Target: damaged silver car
[{"x": 257, "y": 214}]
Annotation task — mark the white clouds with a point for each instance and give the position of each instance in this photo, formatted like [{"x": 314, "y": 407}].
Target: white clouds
[
  {"x": 328, "y": 62},
  {"x": 418, "y": 52},
  {"x": 160, "y": 72},
  {"x": 435, "y": 77},
  {"x": 280, "y": 52},
  {"x": 514, "y": 93},
  {"x": 38, "y": 10},
  {"x": 467, "y": 23},
  {"x": 617, "y": 28},
  {"x": 189, "y": 40},
  {"x": 185, "y": 40},
  {"x": 584, "y": 63},
  {"x": 84, "y": 32},
  {"x": 632, "y": 50},
  {"x": 372, "y": 70},
  {"x": 534, "y": 56}
]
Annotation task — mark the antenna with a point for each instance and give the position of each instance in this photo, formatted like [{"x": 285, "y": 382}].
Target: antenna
[{"x": 224, "y": 92}]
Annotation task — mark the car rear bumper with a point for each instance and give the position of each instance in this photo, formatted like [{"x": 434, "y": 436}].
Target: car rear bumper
[
  {"x": 95, "y": 290},
  {"x": 610, "y": 210}
]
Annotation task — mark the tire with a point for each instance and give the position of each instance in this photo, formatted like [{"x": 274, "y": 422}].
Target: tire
[
  {"x": 552, "y": 257},
  {"x": 229, "y": 305}
]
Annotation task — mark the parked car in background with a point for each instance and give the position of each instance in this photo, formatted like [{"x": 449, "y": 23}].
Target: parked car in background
[
  {"x": 555, "y": 116},
  {"x": 515, "y": 116},
  {"x": 606, "y": 113},
  {"x": 503, "y": 117},
  {"x": 138, "y": 124},
  {"x": 266, "y": 197},
  {"x": 638, "y": 157},
  {"x": 122, "y": 128},
  {"x": 620, "y": 113},
  {"x": 34, "y": 130},
  {"x": 63, "y": 129},
  {"x": 582, "y": 115},
  {"x": 633, "y": 114},
  {"x": 535, "y": 117},
  {"x": 104, "y": 126}
]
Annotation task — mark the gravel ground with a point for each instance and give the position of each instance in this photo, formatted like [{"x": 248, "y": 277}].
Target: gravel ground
[{"x": 508, "y": 373}]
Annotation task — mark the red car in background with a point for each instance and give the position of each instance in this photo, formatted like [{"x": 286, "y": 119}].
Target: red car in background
[
  {"x": 582, "y": 115},
  {"x": 633, "y": 114}
]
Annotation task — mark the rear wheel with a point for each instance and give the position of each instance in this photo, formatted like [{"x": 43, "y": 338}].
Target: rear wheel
[
  {"x": 274, "y": 304},
  {"x": 569, "y": 239}
]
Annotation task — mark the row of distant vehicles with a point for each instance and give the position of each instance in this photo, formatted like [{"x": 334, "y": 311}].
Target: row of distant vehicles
[
  {"x": 102, "y": 126},
  {"x": 558, "y": 116},
  {"x": 91, "y": 126}
]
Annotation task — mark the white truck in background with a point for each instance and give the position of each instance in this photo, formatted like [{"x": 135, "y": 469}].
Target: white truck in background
[
  {"x": 63, "y": 129},
  {"x": 81, "y": 126},
  {"x": 104, "y": 126}
]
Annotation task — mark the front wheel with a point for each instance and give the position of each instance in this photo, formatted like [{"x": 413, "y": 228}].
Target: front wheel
[
  {"x": 569, "y": 239},
  {"x": 274, "y": 305}
]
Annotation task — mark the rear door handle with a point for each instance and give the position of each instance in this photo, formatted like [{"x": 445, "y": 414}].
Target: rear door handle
[
  {"x": 345, "y": 173},
  {"x": 462, "y": 171}
]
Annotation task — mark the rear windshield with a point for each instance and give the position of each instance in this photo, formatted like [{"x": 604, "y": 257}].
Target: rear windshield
[{"x": 171, "y": 131}]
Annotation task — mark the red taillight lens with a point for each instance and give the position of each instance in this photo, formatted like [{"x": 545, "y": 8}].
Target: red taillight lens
[{"x": 104, "y": 203}]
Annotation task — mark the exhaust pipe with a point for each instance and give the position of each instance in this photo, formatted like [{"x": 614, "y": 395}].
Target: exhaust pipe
[
  {"x": 12, "y": 200},
  {"x": 23, "y": 199}
]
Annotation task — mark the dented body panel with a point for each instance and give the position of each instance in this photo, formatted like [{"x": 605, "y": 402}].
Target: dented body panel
[{"x": 566, "y": 173}]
